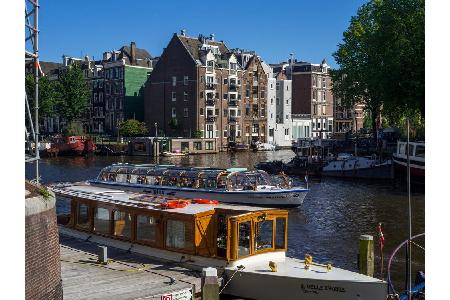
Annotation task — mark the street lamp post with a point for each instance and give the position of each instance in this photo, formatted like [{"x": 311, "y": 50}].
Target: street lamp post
[{"x": 156, "y": 129}]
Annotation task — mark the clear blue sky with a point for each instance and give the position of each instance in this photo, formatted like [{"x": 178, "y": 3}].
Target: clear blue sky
[{"x": 309, "y": 29}]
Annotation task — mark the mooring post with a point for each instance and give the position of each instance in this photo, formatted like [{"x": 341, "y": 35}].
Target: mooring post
[
  {"x": 366, "y": 255},
  {"x": 210, "y": 284},
  {"x": 102, "y": 255}
]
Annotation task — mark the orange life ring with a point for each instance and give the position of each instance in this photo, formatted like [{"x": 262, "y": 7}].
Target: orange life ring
[
  {"x": 175, "y": 204},
  {"x": 204, "y": 201}
]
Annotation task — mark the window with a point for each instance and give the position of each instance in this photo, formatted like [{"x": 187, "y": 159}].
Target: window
[
  {"x": 186, "y": 96},
  {"x": 262, "y": 94},
  {"x": 101, "y": 220},
  {"x": 225, "y": 81},
  {"x": 83, "y": 216},
  {"x": 201, "y": 111},
  {"x": 271, "y": 131},
  {"x": 174, "y": 96},
  {"x": 146, "y": 228},
  {"x": 174, "y": 80},
  {"x": 287, "y": 117},
  {"x": 244, "y": 239},
  {"x": 201, "y": 95},
  {"x": 323, "y": 96},
  {"x": 318, "y": 124},
  {"x": 209, "y": 145},
  {"x": 225, "y": 112},
  {"x": 221, "y": 236},
  {"x": 122, "y": 224},
  {"x": 324, "y": 110},
  {"x": 278, "y": 86},
  {"x": 176, "y": 234},
  {"x": 174, "y": 112},
  {"x": 217, "y": 112},
  {"x": 225, "y": 96},
  {"x": 186, "y": 80},
  {"x": 287, "y": 88},
  {"x": 420, "y": 151},
  {"x": 100, "y": 97},
  {"x": 264, "y": 235},
  {"x": 278, "y": 101},
  {"x": 286, "y": 131},
  {"x": 186, "y": 112},
  {"x": 198, "y": 145},
  {"x": 280, "y": 233}
]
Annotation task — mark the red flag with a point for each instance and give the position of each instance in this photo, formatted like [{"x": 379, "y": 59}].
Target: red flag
[{"x": 380, "y": 236}]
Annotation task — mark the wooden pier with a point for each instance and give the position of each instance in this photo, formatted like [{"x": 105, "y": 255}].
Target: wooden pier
[{"x": 126, "y": 276}]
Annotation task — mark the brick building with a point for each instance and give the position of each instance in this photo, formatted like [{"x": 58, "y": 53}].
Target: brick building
[
  {"x": 195, "y": 89},
  {"x": 255, "y": 82},
  {"x": 347, "y": 119},
  {"x": 311, "y": 94},
  {"x": 125, "y": 73}
]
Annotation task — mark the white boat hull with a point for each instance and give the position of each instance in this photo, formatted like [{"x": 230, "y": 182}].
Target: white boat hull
[
  {"x": 292, "y": 281},
  {"x": 273, "y": 198}
]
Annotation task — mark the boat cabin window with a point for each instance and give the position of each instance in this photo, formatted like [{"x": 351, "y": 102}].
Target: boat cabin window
[
  {"x": 120, "y": 177},
  {"x": 122, "y": 224},
  {"x": 401, "y": 149},
  {"x": 101, "y": 220},
  {"x": 146, "y": 228},
  {"x": 420, "y": 151},
  {"x": 264, "y": 235},
  {"x": 221, "y": 236},
  {"x": 83, "y": 216},
  {"x": 244, "y": 239},
  {"x": 280, "y": 242},
  {"x": 176, "y": 233}
]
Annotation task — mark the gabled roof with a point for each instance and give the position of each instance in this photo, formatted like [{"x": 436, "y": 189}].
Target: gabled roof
[
  {"x": 140, "y": 53},
  {"x": 193, "y": 46}
]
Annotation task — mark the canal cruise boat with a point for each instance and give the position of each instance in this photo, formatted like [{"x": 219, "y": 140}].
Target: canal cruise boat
[
  {"x": 198, "y": 233},
  {"x": 234, "y": 185}
]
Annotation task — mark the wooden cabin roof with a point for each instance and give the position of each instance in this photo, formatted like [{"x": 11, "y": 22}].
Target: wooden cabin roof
[{"x": 141, "y": 200}]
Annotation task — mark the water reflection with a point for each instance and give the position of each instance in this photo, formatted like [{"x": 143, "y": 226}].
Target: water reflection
[{"x": 335, "y": 212}]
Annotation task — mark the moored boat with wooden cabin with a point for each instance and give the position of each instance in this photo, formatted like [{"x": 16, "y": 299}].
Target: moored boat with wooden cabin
[{"x": 233, "y": 238}]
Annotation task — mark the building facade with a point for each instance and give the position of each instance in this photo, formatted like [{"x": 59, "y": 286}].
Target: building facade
[
  {"x": 125, "y": 73},
  {"x": 279, "y": 121},
  {"x": 347, "y": 120},
  {"x": 301, "y": 126},
  {"x": 312, "y": 95},
  {"x": 195, "y": 90},
  {"x": 255, "y": 81}
]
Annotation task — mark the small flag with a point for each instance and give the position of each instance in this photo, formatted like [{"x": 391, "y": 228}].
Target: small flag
[{"x": 380, "y": 236}]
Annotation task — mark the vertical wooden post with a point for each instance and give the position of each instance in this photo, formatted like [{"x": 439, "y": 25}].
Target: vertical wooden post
[
  {"x": 366, "y": 255},
  {"x": 210, "y": 284}
]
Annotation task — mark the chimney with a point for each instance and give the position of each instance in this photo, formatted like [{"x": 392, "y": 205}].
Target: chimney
[
  {"x": 183, "y": 32},
  {"x": 133, "y": 53}
]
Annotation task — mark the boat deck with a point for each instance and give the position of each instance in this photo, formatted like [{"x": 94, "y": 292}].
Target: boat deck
[
  {"x": 141, "y": 200},
  {"x": 126, "y": 276}
]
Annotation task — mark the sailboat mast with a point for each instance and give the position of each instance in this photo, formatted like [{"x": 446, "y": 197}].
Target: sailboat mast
[{"x": 408, "y": 174}]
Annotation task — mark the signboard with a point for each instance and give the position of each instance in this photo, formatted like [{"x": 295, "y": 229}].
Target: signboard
[{"x": 180, "y": 295}]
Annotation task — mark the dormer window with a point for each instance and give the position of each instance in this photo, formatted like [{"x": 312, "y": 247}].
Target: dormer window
[{"x": 210, "y": 66}]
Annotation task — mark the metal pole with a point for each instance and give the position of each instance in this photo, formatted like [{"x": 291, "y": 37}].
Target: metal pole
[
  {"x": 409, "y": 215},
  {"x": 36, "y": 92}
]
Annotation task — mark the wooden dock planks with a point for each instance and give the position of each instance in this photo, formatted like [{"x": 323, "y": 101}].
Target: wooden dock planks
[{"x": 126, "y": 276}]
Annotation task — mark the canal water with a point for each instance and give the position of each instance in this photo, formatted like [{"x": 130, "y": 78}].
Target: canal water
[{"x": 334, "y": 214}]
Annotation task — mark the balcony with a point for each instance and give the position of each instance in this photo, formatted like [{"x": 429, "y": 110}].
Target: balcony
[
  {"x": 210, "y": 102},
  {"x": 233, "y": 103},
  {"x": 210, "y": 85},
  {"x": 210, "y": 119}
]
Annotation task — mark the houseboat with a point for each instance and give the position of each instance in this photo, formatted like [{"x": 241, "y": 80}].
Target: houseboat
[
  {"x": 235, "y": 185},
  {"x": 349, "y": 166},
  {"x": 72, "y": 145},
  {"x": 248, "y": 240},
  {"x": 416, "y": 161}
]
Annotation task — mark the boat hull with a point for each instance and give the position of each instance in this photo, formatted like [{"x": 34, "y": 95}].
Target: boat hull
[
  {"x": 290, "y": 286},
  {"x": 417, "y": 170},
  {"x": 285, "y": 198},
  {"x": 377, "y": 172}
]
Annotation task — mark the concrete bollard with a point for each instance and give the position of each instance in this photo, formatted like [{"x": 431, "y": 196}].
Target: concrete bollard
[
  {"x": 210, "y": 284},
  {"x": 102, "y": 255},
  {"x": 366, "y": 255}
]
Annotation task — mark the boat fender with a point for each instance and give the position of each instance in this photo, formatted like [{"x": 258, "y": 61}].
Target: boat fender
[{"x": 204, "y": 201}]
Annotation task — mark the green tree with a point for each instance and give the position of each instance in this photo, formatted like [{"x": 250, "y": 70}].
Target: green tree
[
  {"x": 382, "y": 60},
  {"x": 73, "y": 92},
  {"x": 48, "y": 97},
  {"x": 132, "y": 127}
]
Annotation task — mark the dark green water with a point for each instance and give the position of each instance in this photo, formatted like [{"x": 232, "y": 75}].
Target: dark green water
[{"x": 335, "y": 212}]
